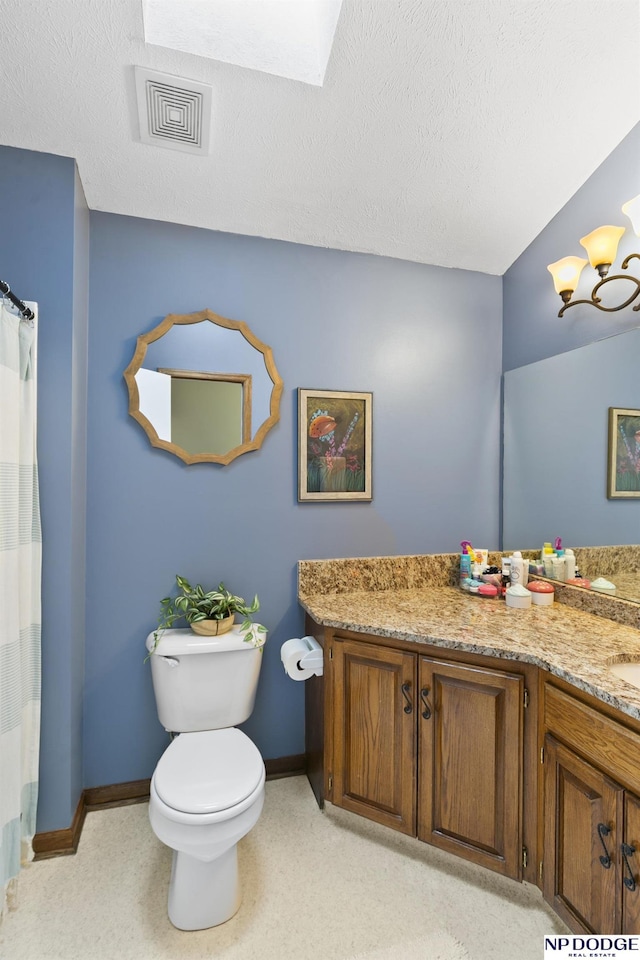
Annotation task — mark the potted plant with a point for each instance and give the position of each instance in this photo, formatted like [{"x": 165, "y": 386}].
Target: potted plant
[{"x": 208, "y": 612}]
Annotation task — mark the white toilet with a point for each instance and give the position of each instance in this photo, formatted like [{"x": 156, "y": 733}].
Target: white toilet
[{"x": 207, "y": 790}]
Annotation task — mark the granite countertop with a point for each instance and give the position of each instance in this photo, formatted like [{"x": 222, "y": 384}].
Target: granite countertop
[{"x": 573, "y": 645}]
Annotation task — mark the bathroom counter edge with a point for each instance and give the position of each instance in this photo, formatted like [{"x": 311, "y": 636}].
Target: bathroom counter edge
[{"x": 575, "y": 646}]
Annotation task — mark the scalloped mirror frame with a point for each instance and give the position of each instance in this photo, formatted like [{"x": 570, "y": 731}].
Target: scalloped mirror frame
[{"x": 137, "y": 360}]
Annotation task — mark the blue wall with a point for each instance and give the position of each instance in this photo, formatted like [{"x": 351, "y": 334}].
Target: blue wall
[
  {"x": 426, "y": 341},
  {"x": 532, "y": 329},
  {"x": 43, "y": 256}
]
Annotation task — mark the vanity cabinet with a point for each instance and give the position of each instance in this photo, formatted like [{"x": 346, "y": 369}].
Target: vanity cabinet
[
  {"x": 373, "y": 772},
  {"x": 470, "y": 762},
  {"x": 429, "y": 746},
  {"x": 591, "y": 847}
]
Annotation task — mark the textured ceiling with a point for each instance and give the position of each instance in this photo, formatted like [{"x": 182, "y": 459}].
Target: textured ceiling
[{"x": 447, "y": 131}]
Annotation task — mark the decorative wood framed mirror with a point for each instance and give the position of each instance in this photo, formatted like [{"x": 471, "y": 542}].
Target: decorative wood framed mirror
[{"x": 203, "y": 387}]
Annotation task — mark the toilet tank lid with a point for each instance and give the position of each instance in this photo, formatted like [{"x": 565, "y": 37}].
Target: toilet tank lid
[{"x": 175, "y": 643}]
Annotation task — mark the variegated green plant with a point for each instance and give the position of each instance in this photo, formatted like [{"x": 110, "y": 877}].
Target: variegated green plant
[{"x": 194, "y": 603}]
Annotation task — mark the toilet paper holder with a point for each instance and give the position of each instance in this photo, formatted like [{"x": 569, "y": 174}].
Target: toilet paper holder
[
  {"x": 314, "y": 659},
  {"x": 304, "y": 655}
]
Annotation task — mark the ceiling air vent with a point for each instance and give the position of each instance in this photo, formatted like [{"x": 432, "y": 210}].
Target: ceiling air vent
[{"x": 173, "y": 112}]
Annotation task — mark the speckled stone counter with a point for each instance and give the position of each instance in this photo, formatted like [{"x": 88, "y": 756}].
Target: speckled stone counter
[{"x": 412, "y": 599}]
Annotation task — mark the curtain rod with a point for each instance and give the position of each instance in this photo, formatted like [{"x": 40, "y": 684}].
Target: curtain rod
[{"x": 22, "y": 307}]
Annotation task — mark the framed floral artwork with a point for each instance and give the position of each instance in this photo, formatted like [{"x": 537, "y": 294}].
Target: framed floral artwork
[
  {"x": 623, "y": 473},
  {"x": 334, "y": 445}
]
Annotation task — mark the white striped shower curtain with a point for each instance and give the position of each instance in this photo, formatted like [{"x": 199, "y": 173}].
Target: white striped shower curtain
[{"x": 20, "y": 602}]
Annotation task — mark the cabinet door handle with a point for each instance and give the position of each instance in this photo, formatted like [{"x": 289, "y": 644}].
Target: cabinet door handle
[
  {"x": 426, "y": 713},
  {"x": 405, "y": 693},
  {"x": 628, "y": 851},
  {"x": 604, "y": 831}
]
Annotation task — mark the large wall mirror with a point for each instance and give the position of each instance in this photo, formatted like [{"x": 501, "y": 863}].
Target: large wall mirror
[
  {"x": 555, "y": 450},
  {"x": 203, "y": 387}
]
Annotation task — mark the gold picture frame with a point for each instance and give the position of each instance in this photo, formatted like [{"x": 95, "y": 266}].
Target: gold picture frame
[
  {"x": 335, "y": 430},
  {"x": 623, "y": 472}
]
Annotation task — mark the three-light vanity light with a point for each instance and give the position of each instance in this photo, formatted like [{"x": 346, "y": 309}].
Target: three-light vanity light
[{"x": 602, "y": 247}]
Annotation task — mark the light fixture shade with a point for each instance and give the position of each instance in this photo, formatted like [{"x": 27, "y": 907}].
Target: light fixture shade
[
  {"x": 566, "y": 273},
  {"x": 631, "y": 209},
  {"x": 602, "y": 244}
]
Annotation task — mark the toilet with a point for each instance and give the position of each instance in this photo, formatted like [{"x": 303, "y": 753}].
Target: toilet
[{"x": 207, "y": 790}]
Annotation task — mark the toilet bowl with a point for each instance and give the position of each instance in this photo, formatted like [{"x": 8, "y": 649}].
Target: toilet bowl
[{"x": 207, "y": 792}]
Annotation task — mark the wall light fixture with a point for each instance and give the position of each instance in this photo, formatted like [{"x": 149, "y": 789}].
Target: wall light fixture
[{"x": 601, "y": 246}]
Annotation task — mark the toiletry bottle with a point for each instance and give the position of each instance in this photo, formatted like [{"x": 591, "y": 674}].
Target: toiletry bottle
[
  {"x": 547, "y": 549},
  {"x": 506, "y": 575},
  {"x": 518, "y": 569},
  {"x": 548, "y": 564},
  {"x": 570, "y": 564},
  {"x": 465, "y": 565}
]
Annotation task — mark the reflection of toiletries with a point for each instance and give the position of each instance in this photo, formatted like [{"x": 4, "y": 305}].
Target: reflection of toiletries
[
  {"x": 518, "y": 572},
  {"x": 579, "y": 582},
  {"x": 570, "y": 564},
  {"x": 558, "y": 566},
  {"x": 548, "y": 564},
  {"x": 558, "y": 544},
  {"x": 547, "y": 548},
  {"x": 603, "y": 585}
]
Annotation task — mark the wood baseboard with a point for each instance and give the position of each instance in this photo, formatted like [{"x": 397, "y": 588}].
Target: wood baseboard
[
  {"x": 116, "y": 794},
  {"x": 286, "y": 766},
  {"x": 57, "y": 843}
]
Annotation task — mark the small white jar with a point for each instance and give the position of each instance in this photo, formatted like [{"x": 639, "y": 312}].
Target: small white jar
[{"x": 518, "y": 596}]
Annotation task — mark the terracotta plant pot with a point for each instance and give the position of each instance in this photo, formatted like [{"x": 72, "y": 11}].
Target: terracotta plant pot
[{"x": 212, "y": 628}]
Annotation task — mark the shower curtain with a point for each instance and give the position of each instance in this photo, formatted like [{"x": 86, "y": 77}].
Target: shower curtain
[{"x": 20, "y": 579}]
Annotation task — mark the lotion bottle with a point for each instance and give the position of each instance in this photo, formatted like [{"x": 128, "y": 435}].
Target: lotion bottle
[
  {"x": 519, "y": 574},
  {"x": 570, "y": 564}
]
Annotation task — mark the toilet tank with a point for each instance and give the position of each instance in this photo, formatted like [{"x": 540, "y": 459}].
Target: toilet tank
[{"x": 204, "y": 683}]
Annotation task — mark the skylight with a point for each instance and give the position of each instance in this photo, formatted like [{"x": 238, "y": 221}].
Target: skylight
[{"x": 289, "y": 38}]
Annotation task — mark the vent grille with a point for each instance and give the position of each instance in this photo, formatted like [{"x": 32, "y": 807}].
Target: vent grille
[{"x": 173, "y": 113}]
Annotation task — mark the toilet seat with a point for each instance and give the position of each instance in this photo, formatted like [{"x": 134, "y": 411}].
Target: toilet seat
[{"x": 209, "y": 772}]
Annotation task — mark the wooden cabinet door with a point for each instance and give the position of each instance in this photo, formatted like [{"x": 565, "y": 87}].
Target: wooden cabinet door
[
  {"x": 582, "y": 813},
  {"x": 470, "y": 763},
  {"x": 374, "y": 733},
  {"x": 630, "y": 863}
]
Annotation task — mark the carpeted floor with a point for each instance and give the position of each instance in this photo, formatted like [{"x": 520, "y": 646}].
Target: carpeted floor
[{"x": 316, "y": 886}]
